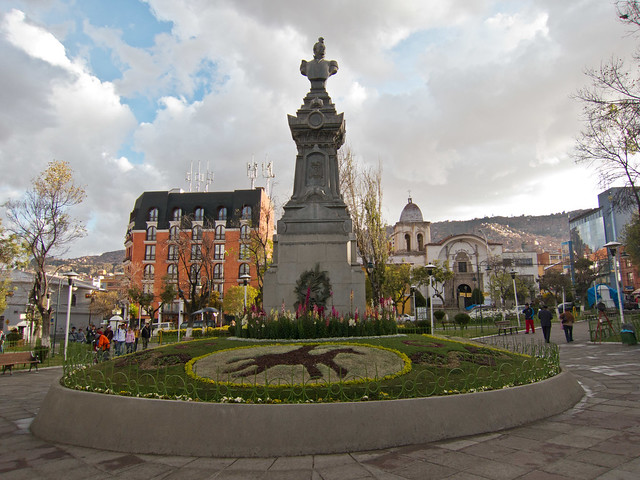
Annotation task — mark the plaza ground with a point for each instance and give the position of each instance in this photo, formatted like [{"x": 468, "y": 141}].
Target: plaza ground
[{"x": 598, "y": 438}]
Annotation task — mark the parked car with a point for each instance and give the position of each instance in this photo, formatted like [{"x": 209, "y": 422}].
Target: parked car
[
  {"x": 562, "y": 306},
  {"x": 404, "y": 318},
  {"x": 162, "y": 326}
]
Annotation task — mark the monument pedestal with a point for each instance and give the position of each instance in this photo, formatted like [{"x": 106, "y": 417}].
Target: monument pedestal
[{"x": 316, "y": 227}]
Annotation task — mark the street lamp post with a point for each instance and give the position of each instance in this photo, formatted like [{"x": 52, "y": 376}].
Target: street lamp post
[
  {"x": 515, "y": 295},
  {"x": 430, "y": 269},
  {"x": 613, "y": 248},
  {"x": 70, "y": 276},
  {"x": 245, "y": 281}
]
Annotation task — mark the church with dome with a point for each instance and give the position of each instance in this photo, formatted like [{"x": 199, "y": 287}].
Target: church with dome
[{"x": 466, "y": 255}]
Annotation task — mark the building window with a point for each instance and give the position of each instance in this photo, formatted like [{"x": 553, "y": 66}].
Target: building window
[
  {"x": 218, "y": 252},
  {"x": 220, "y": 232},
  {"x": 153, "y": 215},
  {"x": 172, "y": 273},
  {"x": 150, "y": 252},
  {"x": 246, "y": 212},
  {"x": 199, "y": 214},
  {"x": 147, "y": 288},
  {"x": 172, "y": 253},
  {"x": 196, "y": 233},
  {"x": 151, "y": 234},
  {"x": 244, "y": 252},
  {"x": 148, "y": 273},
  {"x": 245, "y": 231},
  {"x": 244, "y": 270},
  {"x": 219, "y": 287},
  {"x": 73, "y": 300},
  {"x": 218, "y": 271},
  {"x": 462, "y": 267},
  {"x": 420, "y": 242},
  {"x": 629, "y": 279},
  {"x": 176, "y": 215},
  {"x": 196, "y": 252},
  {"x": 174, "y": 233},
  {"x": 407, "y": 242},
  {"x": 222, "y": 213}
]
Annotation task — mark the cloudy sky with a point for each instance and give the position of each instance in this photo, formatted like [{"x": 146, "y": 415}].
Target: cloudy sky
[{"x": 466, "y": 104}]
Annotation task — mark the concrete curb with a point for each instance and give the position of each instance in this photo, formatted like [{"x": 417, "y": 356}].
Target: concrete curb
[{"x": 136, "y": 425}]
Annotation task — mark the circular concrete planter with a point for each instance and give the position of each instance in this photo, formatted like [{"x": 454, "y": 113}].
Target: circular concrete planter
[{"x": 136, "y": 425}]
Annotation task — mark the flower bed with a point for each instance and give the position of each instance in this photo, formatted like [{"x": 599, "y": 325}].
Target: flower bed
[{"x": 418, "y": 366}]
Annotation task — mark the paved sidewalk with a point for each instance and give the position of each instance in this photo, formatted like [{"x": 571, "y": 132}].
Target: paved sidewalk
[{"x": 598, "y": 438}]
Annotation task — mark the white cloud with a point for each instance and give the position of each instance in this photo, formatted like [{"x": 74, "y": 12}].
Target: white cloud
[{"x": 466, "y": 104}]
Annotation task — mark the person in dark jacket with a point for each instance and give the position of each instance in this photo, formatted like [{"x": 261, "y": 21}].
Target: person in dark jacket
[
  {"x": 545, "y": 316},
  {"x": 145, "y": 334},
  {"x": 528, "y": 318}
]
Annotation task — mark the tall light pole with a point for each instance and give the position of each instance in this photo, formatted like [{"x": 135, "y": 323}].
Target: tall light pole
[
  {"x": 613, "y": 248},
  {"x": 515, "y": 295},
  {"x": 70, "y": 276},
  {"x": 430, "y": 267},
  {"x": 245, "y": 281}
]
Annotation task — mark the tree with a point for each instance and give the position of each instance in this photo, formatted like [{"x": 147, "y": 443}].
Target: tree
[
  {"x": 397, "y": 284},
  {"x": 609, "y": 140},
  {"x": 260, "y": 247},
  {"x": 362, "y": 193},
  {"x": 556, "y": 282},
  {"x": 584, "y": 276},
  {"x": 103, "y": 303},
  {"x": 441, "y": 275},
  {"x": 234, "y": 298},
  {"x": 195, "y": 261},
  {"x": 43, "y": 221},
  {"x": 12, "y": 255},
  {"x": 147, "y": 300}
]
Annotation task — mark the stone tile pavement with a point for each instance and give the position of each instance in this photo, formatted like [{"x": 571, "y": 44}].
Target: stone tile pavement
[{"x": 598, "y": 438}]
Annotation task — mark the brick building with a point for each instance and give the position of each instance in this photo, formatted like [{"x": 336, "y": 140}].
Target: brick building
[{"x": 176, "y": 237}]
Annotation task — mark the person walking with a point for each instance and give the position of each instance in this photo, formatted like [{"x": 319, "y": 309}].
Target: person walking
[
  {"x": 545, "y": 316},
  {"x": 102, "y": 346},
  {"x": 528, "y": 318},
  {"x": 2, "y": 339},
  {"x": 567, "y": 320},
  {"x": 145, "y": 334}
]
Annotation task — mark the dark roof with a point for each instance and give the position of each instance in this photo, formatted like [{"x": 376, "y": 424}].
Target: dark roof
[
  {"x": 411, "y": 213},
  {"x": 166, "y": 202}
]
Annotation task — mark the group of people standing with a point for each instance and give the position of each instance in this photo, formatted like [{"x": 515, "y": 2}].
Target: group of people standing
[
  {"x": 123, "y": 340},
  {"x": 545, "y": 316}
]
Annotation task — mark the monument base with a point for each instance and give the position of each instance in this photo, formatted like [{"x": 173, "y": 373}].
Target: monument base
[{"x": 334, "y": 253}]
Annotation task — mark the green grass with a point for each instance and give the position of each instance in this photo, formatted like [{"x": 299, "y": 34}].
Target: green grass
[{"x": 438, "y": 367}]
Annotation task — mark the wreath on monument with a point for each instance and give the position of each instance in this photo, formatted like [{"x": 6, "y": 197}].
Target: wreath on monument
[{"x": 313, "y": 288}]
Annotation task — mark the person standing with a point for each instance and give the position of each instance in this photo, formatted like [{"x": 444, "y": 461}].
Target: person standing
[
  {"x": 102, "y": 346},
  {"x": 567, "y": 320},
  {"x": 545, "y": 316},
  {"x": 528, "y": 318},
  {"x": 145, "y": 334},
  {"x": 119, "y": 337},
  {"x": 129, "y": 339},
  {"x": 2, "y": 339},
  {"x": 80, "y": 338}
]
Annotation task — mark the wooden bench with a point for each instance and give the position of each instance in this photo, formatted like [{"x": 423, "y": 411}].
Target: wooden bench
[
  {"x": 448, "y": 323},
  {"x": 8, "y": 360},
  {"x": 504, "y": 325}
]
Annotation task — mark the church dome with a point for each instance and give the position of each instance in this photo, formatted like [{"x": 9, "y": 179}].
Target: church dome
[{"x": 411, "y": 213}]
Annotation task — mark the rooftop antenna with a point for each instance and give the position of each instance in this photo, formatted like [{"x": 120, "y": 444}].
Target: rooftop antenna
[
  {"x": 252, "y": 172},
  {"x": 209, "y": 178},
  {"x": 189, "y": 176},
  {"x": 267, "y": 172}
]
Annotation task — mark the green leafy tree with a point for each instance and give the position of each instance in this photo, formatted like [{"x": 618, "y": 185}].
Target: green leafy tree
[
  {"x": 584, "y": 275},
  {"x": 147, "y": 301},
  {"x": 555, "y": 282},
  {"x": 234, "y": 299},
  {"x": 442, "y": 274},
  {"x": 42, "y": 220},
  {"x": 12, "y": 255},
  {"x": 397, "y": 284}
]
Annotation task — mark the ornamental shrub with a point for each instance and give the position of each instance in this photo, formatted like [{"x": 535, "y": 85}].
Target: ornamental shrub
[
  {"x": 462, "y": 319},
  {"x": 439, "y": 315}
]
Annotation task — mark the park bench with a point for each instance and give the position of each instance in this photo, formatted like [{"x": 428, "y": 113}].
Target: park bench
[
  {"x": 448, "y": 323},
  {"x": 8, "y": 360},
  {"x": 504, "y": 325}
]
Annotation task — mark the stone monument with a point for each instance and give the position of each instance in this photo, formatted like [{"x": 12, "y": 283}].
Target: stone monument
[{"x": 315, "y": 243}]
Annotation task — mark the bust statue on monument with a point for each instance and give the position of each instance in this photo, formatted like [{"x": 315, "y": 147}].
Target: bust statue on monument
[{"x": 318, "y": 69}]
